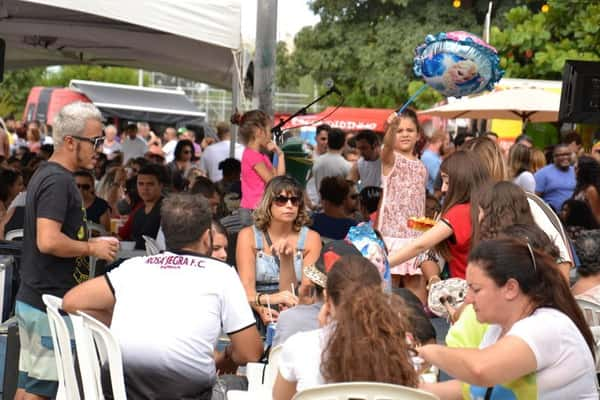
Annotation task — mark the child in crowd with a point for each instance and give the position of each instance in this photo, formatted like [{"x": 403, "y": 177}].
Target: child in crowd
[
  {"x": 257, "y": 170},
  {"x": 403, "y": 182}
]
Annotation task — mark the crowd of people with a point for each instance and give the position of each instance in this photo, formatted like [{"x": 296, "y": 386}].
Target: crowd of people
[{"x": 247, "y": 249}]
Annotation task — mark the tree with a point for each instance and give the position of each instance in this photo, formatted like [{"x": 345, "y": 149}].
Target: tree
[
  {"x": 367, "y": 46},
  {"x": 15, "y": 87},
  {"x": 537, "y": 44}
]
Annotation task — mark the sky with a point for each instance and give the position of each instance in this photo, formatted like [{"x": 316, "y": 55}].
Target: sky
[{"x": 292, "y": 15}]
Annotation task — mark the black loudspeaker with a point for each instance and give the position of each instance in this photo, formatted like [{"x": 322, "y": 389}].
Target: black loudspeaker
[
  {"x": 2, "y": 49},
  {"x": 580, "y": 97}
]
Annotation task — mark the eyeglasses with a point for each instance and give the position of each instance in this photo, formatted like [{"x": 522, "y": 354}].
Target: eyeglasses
[
  {"x": 85, "y": 186},
  {"x": 282, "y": 200},
  {"x": 95, "y": 141},
  {"x": 532, "y": 257}
]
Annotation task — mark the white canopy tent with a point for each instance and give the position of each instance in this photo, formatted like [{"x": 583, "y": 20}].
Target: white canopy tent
[{"x": 192, "y": 39}]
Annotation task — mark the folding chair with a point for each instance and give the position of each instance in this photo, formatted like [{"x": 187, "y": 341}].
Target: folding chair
[{"x": 363, "y": 391}]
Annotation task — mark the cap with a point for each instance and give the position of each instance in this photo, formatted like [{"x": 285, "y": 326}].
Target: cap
[
  {"x": 330, "y": 253},
  {"x": 181, "y": 130}
]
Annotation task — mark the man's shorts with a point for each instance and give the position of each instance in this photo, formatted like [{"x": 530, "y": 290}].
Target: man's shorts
[{"x": 37, "y": 366}]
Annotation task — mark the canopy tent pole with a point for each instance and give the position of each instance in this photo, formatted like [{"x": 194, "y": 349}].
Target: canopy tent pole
[
  {"x": 264, "y": 60},
  {"x": 236, "y": 84}
]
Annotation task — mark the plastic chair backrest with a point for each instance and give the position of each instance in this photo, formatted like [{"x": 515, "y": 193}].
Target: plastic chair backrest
[
  {"x": 272, "y": 367},
  {"x": 152, "y": 247},
  {"x": 14, "y": 234},
  {"x": 96, "y": 228},
  {"x": 363, "y": 391},
  {"x": 67, "y": 382},
  {"x": 110, "y": 352},
  {"x": 591, "y": 312},
  {"x": 87, "y": 358}
]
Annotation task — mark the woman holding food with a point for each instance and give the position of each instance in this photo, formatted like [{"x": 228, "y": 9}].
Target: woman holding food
[{"x": 451, "y": 236}]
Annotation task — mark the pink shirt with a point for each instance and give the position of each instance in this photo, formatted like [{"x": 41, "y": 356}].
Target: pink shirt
[{"x": 253, "y": 185}]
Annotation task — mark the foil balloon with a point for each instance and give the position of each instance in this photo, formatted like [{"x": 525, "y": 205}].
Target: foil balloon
[{"x": 457, "y": 63}]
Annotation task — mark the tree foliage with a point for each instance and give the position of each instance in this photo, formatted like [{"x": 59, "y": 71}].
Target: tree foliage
[
  {"x": 367, "y": 46},
  {"x": 537, "y": 44}
]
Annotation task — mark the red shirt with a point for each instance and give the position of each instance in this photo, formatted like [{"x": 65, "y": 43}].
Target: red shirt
[{"x": 458, "y": 219}]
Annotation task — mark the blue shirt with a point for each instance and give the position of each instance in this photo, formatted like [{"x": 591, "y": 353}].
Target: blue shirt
[
  {"x": 555, "y": 185},
  {"x": 432, "y": 163}
]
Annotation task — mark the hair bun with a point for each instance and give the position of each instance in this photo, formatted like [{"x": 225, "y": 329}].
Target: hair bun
[{"x": 236, "y": 118}]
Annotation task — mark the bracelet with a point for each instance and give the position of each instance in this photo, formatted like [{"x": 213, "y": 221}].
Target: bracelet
[{"x": 258, "y": 298}]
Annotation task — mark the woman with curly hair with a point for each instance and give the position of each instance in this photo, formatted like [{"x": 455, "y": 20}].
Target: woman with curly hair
[
  {"x": 363, "y": 335},
  {"x": 271, "y": 253},
  {"x": 587, "y": 173}
]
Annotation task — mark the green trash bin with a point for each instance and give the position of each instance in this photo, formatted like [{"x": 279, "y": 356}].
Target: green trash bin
[{"x": 297, "y": 161}]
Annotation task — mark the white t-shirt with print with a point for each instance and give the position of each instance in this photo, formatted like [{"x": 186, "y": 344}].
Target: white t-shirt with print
[
  {"x": 170, "y": 310},
  {"x": 565, "y": 367},
  {"x": 301, "y": 358}
]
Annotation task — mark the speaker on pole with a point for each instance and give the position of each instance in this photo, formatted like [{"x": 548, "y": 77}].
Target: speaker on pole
[{"x": 580, "y": 96}]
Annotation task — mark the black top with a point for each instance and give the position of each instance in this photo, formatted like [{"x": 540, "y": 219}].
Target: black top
[
  {"x": 145, "y": 224},
  {"x": 96, "y": 210},
  {"x": 330, "y": 227},
  {"x": 51, "y": 194}
]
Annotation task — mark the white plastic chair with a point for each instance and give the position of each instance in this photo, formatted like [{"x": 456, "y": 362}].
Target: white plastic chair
[
  {"x": 272, "y": 367},
  {"x": 98, "y": 229},
  {"x": 93, "y": 338},
  {"x": 152, "y": 247},
  {"x": 68, "y": 388},
  {"x": 591, "y": 312},
  {"x": 363, "y": 391},
  {"x": 14, "y": 234}
]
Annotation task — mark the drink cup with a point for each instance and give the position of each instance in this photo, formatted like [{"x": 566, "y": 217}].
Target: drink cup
[{"x": 271, "y": 329}]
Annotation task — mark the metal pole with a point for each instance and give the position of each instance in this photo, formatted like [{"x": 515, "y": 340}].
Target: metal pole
[
  {"x": 264, "y": 59},
  {"x": 140, "y": 77},
  {"x": 235, "y": 101}
]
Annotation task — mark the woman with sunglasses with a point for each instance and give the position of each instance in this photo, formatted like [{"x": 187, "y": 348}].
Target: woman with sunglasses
[
  {"x": 538, "y": 344},
  {"x": 270, "y": 254},
  {"x": 97, "y": 209}
]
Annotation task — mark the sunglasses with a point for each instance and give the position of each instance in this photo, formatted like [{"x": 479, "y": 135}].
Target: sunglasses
[
  {"x": 282, "y": 200},
  {"x": 85, "y": 186},
  {"x": 95, "y": 141}
]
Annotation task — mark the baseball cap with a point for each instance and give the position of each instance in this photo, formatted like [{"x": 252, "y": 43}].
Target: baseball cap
[{"x": 330, "y": 253}]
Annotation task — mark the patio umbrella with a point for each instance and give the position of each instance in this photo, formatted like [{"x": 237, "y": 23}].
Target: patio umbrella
[{"x": 531, "y": 105}]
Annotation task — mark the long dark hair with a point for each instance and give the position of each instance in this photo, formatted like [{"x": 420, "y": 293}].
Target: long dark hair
[
  {"x": 180, "y": 147},
  {"x": 588, "y": 174},
  {"x": 466, "y": 173},
  {"x": 368, "y": 338},
  {"x": 503, "y": 204},
  {"x": 537, "y": 275},
  {"x": 579, "y": 214}
]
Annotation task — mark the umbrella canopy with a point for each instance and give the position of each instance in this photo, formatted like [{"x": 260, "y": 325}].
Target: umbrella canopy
[{"x": 533, "y": 105}]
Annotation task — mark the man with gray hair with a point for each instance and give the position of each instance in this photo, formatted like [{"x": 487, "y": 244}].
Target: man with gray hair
[
  {"x": 55, "y": 246},
  {"x": 168, "y": 310}
]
